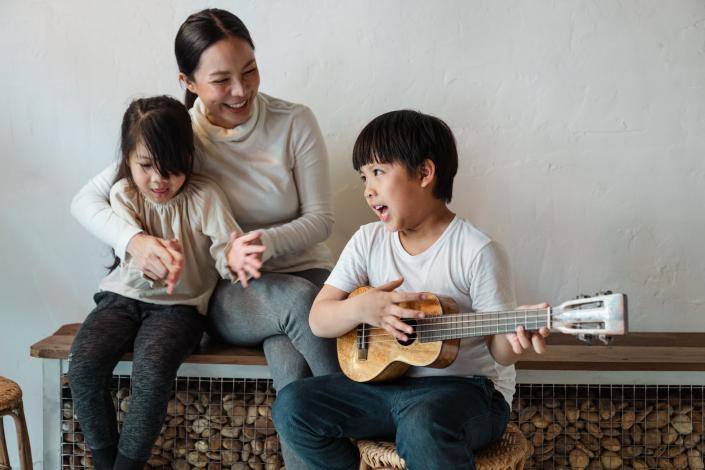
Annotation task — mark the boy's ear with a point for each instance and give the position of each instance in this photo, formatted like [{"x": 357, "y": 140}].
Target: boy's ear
[{"x": 427, "y": 172}]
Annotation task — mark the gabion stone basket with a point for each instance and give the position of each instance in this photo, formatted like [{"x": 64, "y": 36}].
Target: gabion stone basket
[{"x": 210, "y": 423}]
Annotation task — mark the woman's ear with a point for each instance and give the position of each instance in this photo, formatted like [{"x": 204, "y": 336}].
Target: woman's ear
[
  {"x": 190, "y": 85},
  {"x": 427, "y": 172}
]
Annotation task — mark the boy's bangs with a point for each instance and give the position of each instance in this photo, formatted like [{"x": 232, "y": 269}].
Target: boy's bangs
[{"x": 373, "y": 146}]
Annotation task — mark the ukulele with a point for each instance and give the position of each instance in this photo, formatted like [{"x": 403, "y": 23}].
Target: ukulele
[{"x": 370, "y": 354}]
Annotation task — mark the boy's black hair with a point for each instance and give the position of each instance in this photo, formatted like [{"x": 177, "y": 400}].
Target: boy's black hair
[
  {"x": 163, "y": 125},
  {"x": 409, "y": 137}
]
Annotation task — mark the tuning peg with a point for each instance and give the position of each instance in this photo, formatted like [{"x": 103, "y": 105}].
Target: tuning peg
[
  {"x": 582, "y": 296},
  {"x": 606, "y": 292},
  {"x": 586, "y": 338},
  {"x": 590, "y": 339}
]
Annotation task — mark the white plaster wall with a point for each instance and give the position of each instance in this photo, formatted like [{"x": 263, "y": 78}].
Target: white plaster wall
[{"x": 580, "y": 125}]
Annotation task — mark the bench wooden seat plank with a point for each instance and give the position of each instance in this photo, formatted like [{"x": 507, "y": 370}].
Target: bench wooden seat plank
[
  {"x": 58, "y": 345},
  {"x": 634, "y": 351}
]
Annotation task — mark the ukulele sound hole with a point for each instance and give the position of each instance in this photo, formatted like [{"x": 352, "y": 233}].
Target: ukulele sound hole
[{"x": 412, "y": 336}]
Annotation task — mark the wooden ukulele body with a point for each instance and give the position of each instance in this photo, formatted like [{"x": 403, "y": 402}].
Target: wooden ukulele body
[{"x": 386, "y": 357}]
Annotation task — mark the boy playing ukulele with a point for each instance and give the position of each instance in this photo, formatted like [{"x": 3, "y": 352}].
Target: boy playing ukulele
[{"x": 407, "y": 162}]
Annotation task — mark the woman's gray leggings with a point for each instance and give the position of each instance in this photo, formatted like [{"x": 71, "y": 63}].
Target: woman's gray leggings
[
  {"x": 273, "y": 312},
  {"x": 161, "y": 337}
]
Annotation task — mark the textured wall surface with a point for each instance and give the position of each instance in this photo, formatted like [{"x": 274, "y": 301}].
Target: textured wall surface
[{"x": 580, "y": 124}]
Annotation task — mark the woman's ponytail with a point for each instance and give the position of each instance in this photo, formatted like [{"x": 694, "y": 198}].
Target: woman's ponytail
[{"x": 189, "y": 99}]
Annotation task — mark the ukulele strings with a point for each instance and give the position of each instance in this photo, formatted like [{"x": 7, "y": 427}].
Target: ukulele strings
[{"x": 529, "y": 317}]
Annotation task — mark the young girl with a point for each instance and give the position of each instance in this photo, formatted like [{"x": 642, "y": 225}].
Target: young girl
[{"x": 161, "y": 323}]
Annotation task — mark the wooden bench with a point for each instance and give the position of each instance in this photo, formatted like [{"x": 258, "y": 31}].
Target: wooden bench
[
  {"x": 680, "y": 358},
  {"x": 634, "y": 352}
]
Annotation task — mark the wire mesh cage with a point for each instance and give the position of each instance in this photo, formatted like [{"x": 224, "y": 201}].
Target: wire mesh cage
[
  {"x": 226, "y": 423},
  {"x": 211, "y": 423},
  {"x": 611, "y": 426}
]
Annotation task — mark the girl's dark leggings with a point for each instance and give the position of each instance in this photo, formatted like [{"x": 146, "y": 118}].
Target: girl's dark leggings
[{"x": 161, "y": 337}]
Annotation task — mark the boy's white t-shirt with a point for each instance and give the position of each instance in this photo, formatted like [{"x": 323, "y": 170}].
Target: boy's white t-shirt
[{"x": 463, "y": 264}]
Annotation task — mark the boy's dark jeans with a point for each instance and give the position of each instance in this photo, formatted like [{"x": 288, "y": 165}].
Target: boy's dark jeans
[{"x": 438, "y": 421}]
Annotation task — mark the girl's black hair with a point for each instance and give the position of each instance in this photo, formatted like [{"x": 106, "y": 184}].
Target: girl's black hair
[
  {"x": 163, "y": 126},
  {"x": 409, "y": 138},
  {"x": 198, "y": 33}
]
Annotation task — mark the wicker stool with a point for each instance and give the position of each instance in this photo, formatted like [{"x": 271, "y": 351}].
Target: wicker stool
[
  {"x": 507, "y": 454},
  {"x": 11, "y": 404}
]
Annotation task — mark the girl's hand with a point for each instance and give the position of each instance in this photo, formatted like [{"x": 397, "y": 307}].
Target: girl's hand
[
  {"x": 381, "y": 308},
  {"x": 245, "y": 255},
  {"x": 522, "y": 340},
  {"x": 157, "y": 258}
]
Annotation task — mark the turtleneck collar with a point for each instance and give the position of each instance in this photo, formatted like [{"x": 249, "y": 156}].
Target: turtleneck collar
[{"x": 236, "y": 134}]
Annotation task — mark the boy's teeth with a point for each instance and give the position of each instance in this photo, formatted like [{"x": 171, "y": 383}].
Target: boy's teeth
[{"x": 239, "y": 105}]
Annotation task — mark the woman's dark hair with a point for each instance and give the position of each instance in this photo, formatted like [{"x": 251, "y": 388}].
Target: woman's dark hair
[
  {"x": 163, "y": 125},
  {"x": 198, "y": 33},
  {"x": 409, "y": 138}
]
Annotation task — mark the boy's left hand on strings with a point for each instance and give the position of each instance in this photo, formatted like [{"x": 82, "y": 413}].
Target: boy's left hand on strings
[
  {"x": 245, "y": 255},
  {"x": 522, "y": 340}
]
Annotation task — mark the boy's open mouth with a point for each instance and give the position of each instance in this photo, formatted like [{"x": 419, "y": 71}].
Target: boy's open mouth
[{"x": 380, "y": 209}]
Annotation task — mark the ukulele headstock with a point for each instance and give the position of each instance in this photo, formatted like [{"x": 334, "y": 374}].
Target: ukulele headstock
[{"x": 600, "y": 316}]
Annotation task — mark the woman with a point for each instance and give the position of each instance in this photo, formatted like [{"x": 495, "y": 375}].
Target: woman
[{"x": 269, "y": 158}]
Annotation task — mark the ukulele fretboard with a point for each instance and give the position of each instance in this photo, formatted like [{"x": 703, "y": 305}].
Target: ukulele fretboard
[{"x": 467, "y": 325}]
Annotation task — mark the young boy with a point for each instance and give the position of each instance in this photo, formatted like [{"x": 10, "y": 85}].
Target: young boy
[{"x": 407, "y": 162}]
